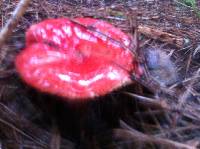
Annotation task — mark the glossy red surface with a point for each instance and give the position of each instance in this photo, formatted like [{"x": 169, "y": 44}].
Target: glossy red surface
[{"x": 67, "y": 59}]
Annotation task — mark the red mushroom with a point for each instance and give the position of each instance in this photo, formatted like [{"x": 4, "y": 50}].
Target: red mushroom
[{"x": 77, "y": 59}]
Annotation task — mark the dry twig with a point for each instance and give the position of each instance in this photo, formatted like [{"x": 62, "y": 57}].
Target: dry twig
[
  {"x": 161, "y": 35},
  {"x": 12, "y": 22}
]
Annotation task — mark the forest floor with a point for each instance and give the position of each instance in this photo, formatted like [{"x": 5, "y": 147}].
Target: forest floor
[{"x": 160, "y": 110}]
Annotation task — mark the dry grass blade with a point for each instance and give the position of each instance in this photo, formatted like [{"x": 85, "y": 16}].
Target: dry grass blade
[
  {"x": 185, "y": 95},
  {"x": 9, "y": 124},
  {"x": 143, "y": 138},
  {"x": 12, "y": 22},
  {"x": 28, "y": 130},
  {"x": 149, "y": 101}
]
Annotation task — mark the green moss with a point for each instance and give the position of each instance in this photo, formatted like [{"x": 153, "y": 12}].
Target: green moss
[{"x": 193, "y": 5}]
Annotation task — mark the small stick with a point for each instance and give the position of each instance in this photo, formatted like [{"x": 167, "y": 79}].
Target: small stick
[
  {"x": 12, "y": 22},
  {"x": 184, "y": 96},
  {"x": 161, "y": 35}
]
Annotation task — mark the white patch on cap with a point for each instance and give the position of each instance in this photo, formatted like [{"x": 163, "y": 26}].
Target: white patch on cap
[
  {"x": 56, "y": 40},
  {"x": 44, "y": 35},
  {"x": 58, "y": 33},
  {"x": 92, "y": 94},
  {"x": 101, "y": 36},
  {"x": 67, "y": 30},
  {"x": 113, "y": 75},
  {"x": 126, "y": 41},
  {"x": 116, "y": 75},
  {"x": 46, "y": 83},
  {"x": 49, "y": 26},
  {"x": 90, "y": 81},
  {"x": 83, "y": 35},
  {"x": 52, "y": 57},
  {"x": 64, "y": 77}
]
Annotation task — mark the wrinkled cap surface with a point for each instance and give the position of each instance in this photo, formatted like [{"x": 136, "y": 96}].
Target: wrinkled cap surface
[{"x": 67, "y": 59}]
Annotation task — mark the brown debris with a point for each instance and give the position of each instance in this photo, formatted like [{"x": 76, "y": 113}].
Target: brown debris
[{"x": 158, "y": 34}]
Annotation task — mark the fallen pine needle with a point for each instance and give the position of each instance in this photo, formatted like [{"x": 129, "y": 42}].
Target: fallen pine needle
[{"x": 12, "y": 22}]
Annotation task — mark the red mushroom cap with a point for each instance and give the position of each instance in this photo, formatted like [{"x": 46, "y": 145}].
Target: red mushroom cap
[{"x": 67, "y": 59}]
